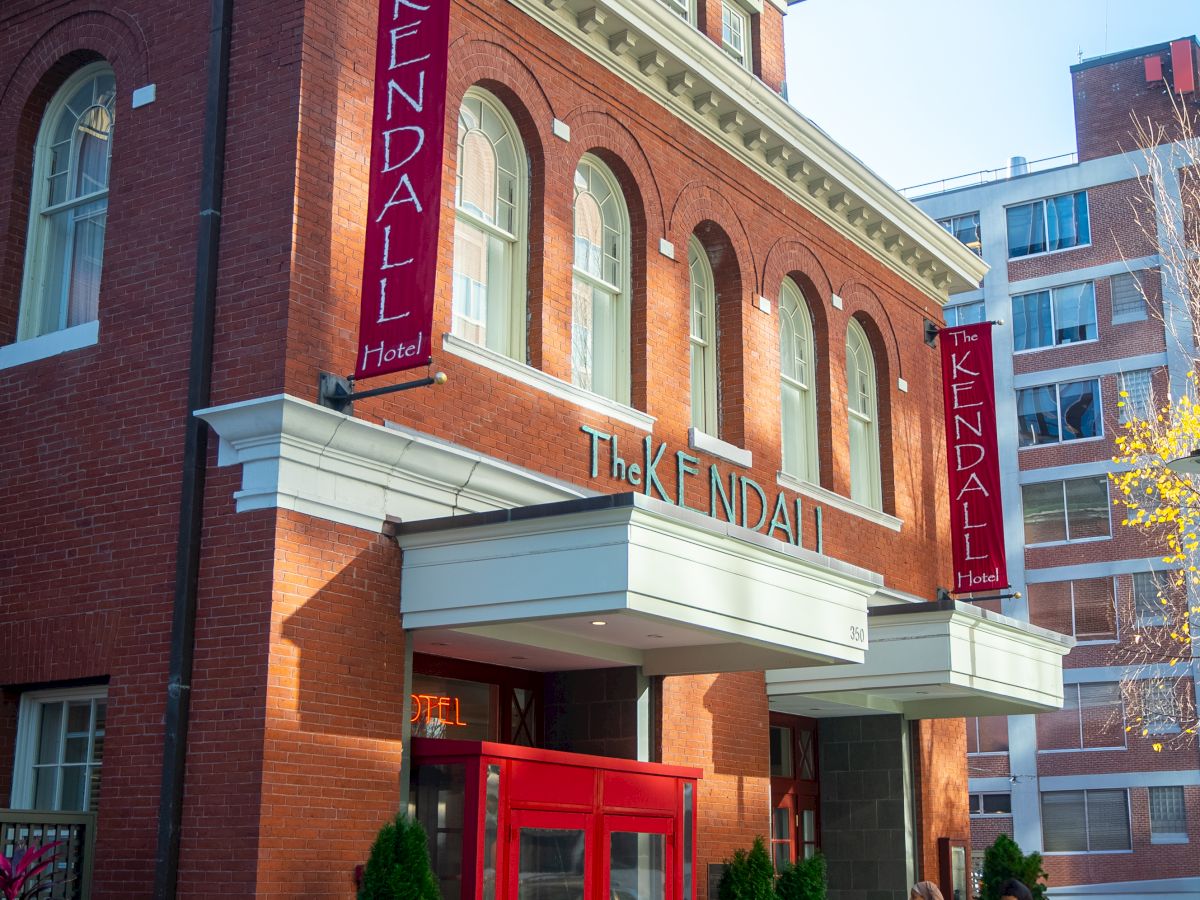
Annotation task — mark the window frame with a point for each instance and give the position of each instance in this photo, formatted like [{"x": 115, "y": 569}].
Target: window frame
[
  {"x": 1087, "y": 831},
  {"x": 1066, "y": 510},
  {"x": 674, "y": 6},
  {"x": 1161, "y": 581},
  {"x": 809, "y": 470},
  {"x": 956, "y": 309},
  {"x": 516, "y": 305},
  {"x": 1071, "y": 582},
  {"x": 33, "y": 301},
  {"x": 1167, "y": 837},
  {"x": 1124, "y": 318},
  {"x": 1125, "y": 410},
  {"x": 1060, "y": 413},
  {"x": 949, "y": 222},
  {"x": 1055, "y": 343},
  {"x": 982, "y": 814},
  {"x": 735, "y": 12},
  {"x": 622, "y": 291},
  {"x": 26, "y": 744},
  {"x": 710, "y": 364},
  {"x": 1043, "y": 201},
  {"x": 874, "y": 491},
  {"x": 1108, "y": 748},
  {"x": 975, "y": 719},
  {"x": 1166, "y": 725}
]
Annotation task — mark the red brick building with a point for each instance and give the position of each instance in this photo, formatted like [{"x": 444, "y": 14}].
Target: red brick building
[
  {"x": 679, "y": 507},
  {"x": 1091, "y": 311}
]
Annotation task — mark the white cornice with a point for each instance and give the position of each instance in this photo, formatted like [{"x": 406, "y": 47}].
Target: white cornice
[
  {"x": 297, "y": 455},
  {"x": 671, "y": 62}
]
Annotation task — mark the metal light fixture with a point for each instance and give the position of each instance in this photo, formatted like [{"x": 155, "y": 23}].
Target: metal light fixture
[{"x": 1185, "y": 465}]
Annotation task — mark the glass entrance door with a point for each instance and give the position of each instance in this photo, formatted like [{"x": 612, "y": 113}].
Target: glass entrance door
[
  {"x": 638, "y": 855},
  {"x": 549, "y": 856},
  {"x": 795, "y": 792}
]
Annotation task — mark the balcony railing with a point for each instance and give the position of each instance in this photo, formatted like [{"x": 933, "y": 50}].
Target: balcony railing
[
  {"x": 21, "y": 829},
  {"x": 986, "y": 176}
]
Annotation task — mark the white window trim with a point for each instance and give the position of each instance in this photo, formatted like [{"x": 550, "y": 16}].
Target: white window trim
[
  {"x": 875, "y": 487},
  {"x": 1066, "y": 519},
  {"x": 517, "y": 311},
  {"x": 26, "y": 743},
  {"x": 35, "y": 235},
  {"x": 1044, "y": 201},
  {"x": 837, "y": 501},
  {"x": 712, "y": 366},
  {"x": 1057, "y": 385},
  {"x": 50, "y": 344},
  {"x": 539, "y": 380},
  {"x": 1074, "y": 625},
  {"x": 1086, "y": 829},
  {"x": 737, "y": 10},
  {"x": 1079, "y": 717},
  {"x": 810, "y": 456},
  {"x": 1053, "y": 318},
  {"x": 691, "y": 10},
  {"x": 714, "y": 446},
  {"x": 623, "y": 290}
]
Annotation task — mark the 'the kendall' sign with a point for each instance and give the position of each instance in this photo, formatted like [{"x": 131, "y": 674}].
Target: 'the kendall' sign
[
  {"x": 976, "y": 513},
  {"x": 404, "y": 202}
]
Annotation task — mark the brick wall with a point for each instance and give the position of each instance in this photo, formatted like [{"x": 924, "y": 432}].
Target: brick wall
[
  {"x": 941, "y": 789},
  {"x": 1110, "y": 96}
]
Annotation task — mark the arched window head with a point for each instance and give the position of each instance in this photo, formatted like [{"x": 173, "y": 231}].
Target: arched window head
[
  {"x": 600, "y": 293},
  {"x": 490, "y": 227},
  {"x": 865, "y": 484},
  {"x": 797, "y": 390},
  {"x": 703, "y": 339},
  {"x": 68, "y": 206}
]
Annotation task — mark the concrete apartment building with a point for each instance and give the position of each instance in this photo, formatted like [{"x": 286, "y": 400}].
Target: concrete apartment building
[
  {"x": 1085, "y": 313},
  {"x": 655, "y": 572}
]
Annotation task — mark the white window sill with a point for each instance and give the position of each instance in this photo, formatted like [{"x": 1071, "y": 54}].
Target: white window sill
[
  {"x": 1082, "y": 749},
  {"x": 1042, "y": 253},
  {"x": 52, "y": 344},
  {"x": 1173, "y": 838},
  {"x": 837, "y": 501},
  {"x": 556, "y": 387},
  {"x": 1084, "y": 852},
  {"x": 1129, "y": 319},
  {"x": 1029, "y": 350},
  {"x": 1091, "y": 540},
  {"x": 989, "y": 753},
  {"x": 713, "y": 446},
  {"x": 1072, "y": 441}
]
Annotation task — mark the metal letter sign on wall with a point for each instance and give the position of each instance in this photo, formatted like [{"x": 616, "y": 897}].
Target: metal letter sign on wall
[
  {"x": 405, "y": 199},
  {"x": 976, "y": 513}
]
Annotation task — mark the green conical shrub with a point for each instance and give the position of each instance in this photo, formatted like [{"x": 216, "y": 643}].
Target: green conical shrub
[
  {"x": 1004, "y": 860},
  {"x": 398, "y": 868},
  {"x": 748, "y": 876},
  {"x": 804, "y": 879}
]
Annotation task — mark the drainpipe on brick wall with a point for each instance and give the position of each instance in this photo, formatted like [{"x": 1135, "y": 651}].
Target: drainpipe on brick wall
[{"x": 195, "y": 457}]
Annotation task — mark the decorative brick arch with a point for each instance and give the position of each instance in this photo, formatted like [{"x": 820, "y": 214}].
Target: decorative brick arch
[
  {"x": 789, "y": 258},
  {"x": 595, "y": 131},
  {"x": 65, "y": 47},
  {"x": 698, "y": 203},
  {"x": 864, "y": 304}
]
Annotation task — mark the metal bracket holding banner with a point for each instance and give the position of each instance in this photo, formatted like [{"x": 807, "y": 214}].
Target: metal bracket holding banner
[{"x": 337, "y": 392}]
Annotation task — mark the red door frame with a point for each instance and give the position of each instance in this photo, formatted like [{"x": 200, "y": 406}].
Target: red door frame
[
  {"x": 520, "y": 819},
  {"x": 672, "y": 881},
  {"x": 795, "y": 793}
]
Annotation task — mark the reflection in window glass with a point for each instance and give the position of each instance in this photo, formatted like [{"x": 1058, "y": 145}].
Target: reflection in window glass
[
  {"x": 1072, "y": 510},
  {"x": 965, "y": 314},
  {"x": 491, "y": 831},
  {"x": 637, "y": 866},
  {"x": 689, "y": 838},
  {"x": 1065, "y": 315},
  {"x": 781, "y": 752},
  {"x": 1058, "y": 412},
  {"x": 1056, "y": 223},
  {"x": 966, "y": 229},
  {"x": 551, "y": 864},
  {"x": 438, "y": 796},
  {"x": 1135, "y": 398}
]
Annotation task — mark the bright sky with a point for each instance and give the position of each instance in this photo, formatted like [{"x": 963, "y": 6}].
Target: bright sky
[{"x": 927, "y": 89}]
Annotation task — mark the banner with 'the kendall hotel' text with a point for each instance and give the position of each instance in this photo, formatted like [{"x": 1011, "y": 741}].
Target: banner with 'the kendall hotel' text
[
  {"x": 405, "y": 198},
  {"x": 976, "y": 511}
]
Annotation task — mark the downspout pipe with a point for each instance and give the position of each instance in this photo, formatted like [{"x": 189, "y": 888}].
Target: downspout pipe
[{"x": 195, "y": 457}]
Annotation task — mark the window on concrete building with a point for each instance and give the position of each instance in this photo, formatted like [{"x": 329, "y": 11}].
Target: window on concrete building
[
  {"x": 966, "y": 229},
  {"x": 991, "y": 804},
  {"x": 59, "y": 749},
  {"x": 490, "y": 227},
  {"x": 1063, "y": 315},
  {"x": 1052, "y": 413},
  {"x": 735, "y": 33},
  {"x": 1061, "y": 511},
  {"x": 1128, "y": 298},
  {"x": 1085, "y": 821},
  {"x": 685, "y": 9},
  {"x": 1160, "y": 706},
  {"x": 987, "y": 734},
  {"x": 600, "y": 283},
  {"x": 64, "y": 253},
  {"x": 1043, "y": 226},
  {"x": 1168, "y": 818},
  {"x": 965, "y": 314},
  {"x": 703, "y": 340},
  {"x": 1085, "y": 608},
  {"x": 1135, "y": 395},
  {"x": 797, "y": 390},
  {"x": 1092, "y": 718},
  {"x": 1150, "y": 590},
  {"x": 861, "y": 390}
]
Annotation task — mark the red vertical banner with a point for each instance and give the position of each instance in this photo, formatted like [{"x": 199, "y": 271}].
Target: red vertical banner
[
  {"x": 976, "y": 511},
  {"x": 405, "y": 198}
]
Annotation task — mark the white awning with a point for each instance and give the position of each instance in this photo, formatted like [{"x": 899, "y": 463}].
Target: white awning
[
  {"x": 934, "y": 660},
  {"x": 626, "y": 580}
]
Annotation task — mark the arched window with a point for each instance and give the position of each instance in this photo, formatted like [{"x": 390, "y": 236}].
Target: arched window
[
  {"x": 490, "y": 223},
  {"x": 796, "y": 386},
  {"x": 600, "y": 283},
  {"x": 64, "y": 254},
  {"x": 704, "y": 339},
  {"x": 865, "y": 485}
]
